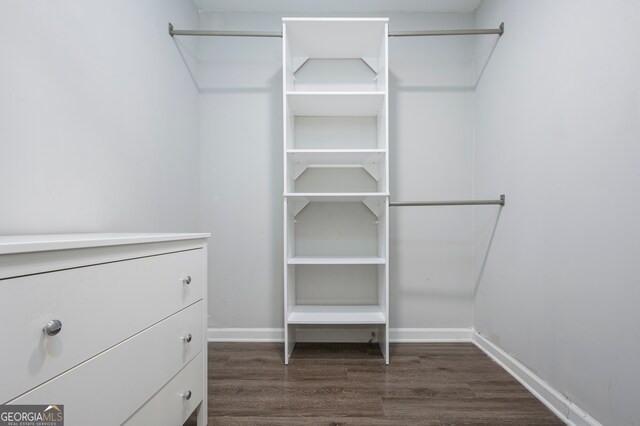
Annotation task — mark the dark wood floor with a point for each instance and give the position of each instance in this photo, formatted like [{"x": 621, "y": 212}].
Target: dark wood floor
[{"x": 348, "y": 384}]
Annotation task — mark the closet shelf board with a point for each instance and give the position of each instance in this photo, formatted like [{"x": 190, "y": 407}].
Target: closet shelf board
[{"x": 358, "y": 314}]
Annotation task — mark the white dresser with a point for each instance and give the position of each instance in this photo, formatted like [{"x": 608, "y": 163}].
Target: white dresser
[{"x": 112, "y": 326}]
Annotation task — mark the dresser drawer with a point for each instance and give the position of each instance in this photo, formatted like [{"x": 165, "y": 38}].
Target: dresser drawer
[
  {"x": 106, "y": 389},
  {"x": 99, "y": 306},
  {"x": 169, "y": 407}
]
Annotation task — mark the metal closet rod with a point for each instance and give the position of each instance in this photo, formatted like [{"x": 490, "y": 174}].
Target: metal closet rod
[
  {"x": 499, "y": 31},
  {"x": 499, "y": 202},
  {"x": 174, "y": 32}
]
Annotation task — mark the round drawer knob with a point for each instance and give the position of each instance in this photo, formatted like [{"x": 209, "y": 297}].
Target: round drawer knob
[
  {"x": 186, "y": 280},
  {"x": 186, "y": 395},
  {"x": 53, "y": 327},
  {"x": 187, "y": 338}
]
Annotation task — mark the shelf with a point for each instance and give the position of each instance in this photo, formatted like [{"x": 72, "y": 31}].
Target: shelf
[
  {"x": 372, "y": 161},
  {"x": 337, "y": 157},
  {"x": 335, "y": 196},
  {"x": 336, "y": 75},
  {"x": 363, "y": 151},
  {"x": 336, "y": 260},
  {"x": 360, "y": 314},
  {"x": 353, "y": 104},
  {"x": 375, "y": 201}
]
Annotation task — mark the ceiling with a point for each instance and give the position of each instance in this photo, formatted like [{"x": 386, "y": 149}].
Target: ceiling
[{"x": 337, "y": 6}]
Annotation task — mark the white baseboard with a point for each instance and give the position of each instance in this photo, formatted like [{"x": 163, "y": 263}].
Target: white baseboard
[
  {"x": 429, "y": 335},
  {"x": 245, "y": 335},
  {"x": 554, "y": 400},
  {"x": 302, "y": 335},
  {"x": 359, "y": 334}
]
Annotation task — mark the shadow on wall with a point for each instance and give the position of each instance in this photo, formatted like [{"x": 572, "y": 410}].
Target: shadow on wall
[
  {"x": 189, "y": 58},
  {"x": 485, "y": 47},
  {"x": 488, "y": 47},
  {"x": 426, "y": 267},
  {"x": 485, "y": 255},
  {"x": 395, "y": 87},
  {"x": 272, "y": 208},
  {"x": 259, "y": 111},
  {"x": 188, "y": 53},
  {"x": 276, "y": 188},
  {"x": 393, "y": 130}
]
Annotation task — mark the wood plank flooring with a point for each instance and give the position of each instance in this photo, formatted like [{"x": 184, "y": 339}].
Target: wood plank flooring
[{"x": 348, "y": 384}]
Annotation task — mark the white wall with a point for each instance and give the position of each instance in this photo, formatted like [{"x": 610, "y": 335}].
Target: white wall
[
  {"x": 241, "y": 134},
  {"x": 558, "y": 130},
  {"x": 431, "y": 132},
  {"x": 98, "y": 118},
  {"x": 431, "y": 100}
]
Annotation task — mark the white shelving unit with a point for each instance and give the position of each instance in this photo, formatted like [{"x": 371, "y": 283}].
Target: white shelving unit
[{"x": 336, "y": 168}]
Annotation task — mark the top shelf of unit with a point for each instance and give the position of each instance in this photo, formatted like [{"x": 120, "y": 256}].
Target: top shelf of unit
[{"x": 335, "y": 37}]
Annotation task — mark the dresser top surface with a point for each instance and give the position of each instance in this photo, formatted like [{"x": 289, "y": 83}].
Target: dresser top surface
[{"x": 10, "y": 244}]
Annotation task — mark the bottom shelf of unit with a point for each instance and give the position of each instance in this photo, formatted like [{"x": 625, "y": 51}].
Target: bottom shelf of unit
[{"x": 357, "y": 314}]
